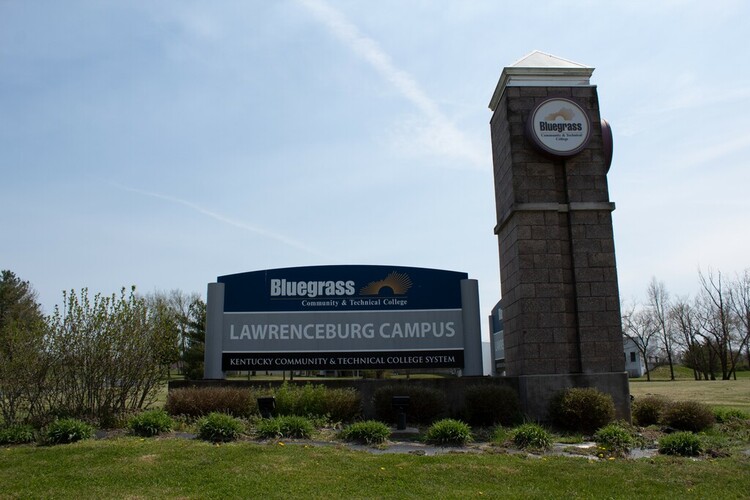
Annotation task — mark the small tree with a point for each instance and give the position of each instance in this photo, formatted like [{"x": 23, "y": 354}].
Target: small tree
[
  {"x": 658, "y": 307},
  {"x": 23, "y": 359},
  {"x": 111, "y": 354},
  {"x": 639, "y": 326},
  {"x": 719, "y": 321},
  {"x": 193, "y": 357}
]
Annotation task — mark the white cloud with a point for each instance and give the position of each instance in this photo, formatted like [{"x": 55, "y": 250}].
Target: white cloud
[{"x": 436, "y": 133}]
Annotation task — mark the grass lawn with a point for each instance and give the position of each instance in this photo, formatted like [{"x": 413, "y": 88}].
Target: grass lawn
[
  {"x": 172, "y": 468},
  {"x": 728, "y": 393}
]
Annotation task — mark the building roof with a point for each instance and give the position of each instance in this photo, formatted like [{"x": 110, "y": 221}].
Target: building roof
[{"x": 539, "y": 69}]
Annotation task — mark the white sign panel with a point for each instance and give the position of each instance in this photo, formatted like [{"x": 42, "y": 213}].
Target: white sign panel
[{"x": 560, "y": 127}]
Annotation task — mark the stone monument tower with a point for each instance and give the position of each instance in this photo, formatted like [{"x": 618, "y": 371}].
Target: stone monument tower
[{"x": 560, "y": 301}]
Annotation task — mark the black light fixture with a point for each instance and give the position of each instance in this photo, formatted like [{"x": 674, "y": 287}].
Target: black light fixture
[
  {"x": 400, "y": 404},
  {"x": 266, "y": 406}
]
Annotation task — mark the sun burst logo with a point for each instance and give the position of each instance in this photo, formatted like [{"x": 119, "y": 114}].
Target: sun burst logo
[
  {"x": 566, "y": 114},
  {"x": 397, "y": 283}
]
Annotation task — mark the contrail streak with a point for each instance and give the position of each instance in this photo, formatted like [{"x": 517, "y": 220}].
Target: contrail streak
[
  {"x": 441, "y": 135},
  {"x": 226, "y": 220}
]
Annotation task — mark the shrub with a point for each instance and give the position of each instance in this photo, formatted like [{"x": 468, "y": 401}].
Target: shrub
[
  {"x": 68, "y": 430},
  {"x": 532, "y": 436},
  {"x": 219, "y": 427},
  {"x": 301, "y": 400},
  {"x": 200, "y": 401},
  {"x": 715, "y": 445},
  {"x": 368, "y": 432},
  {"x": 724, "y": 415},
  {"x": 343, "y": 405},
  {"x": 426, "y": 404},
  {"x": 17, "y": 434},
  {"x": 500, "y": 435},
  {"x": 150, "y": 423},
  {"x": 648, "y": 409},
  {"x": 614, "y": 438},
  {"x": 582, "y": 409},
  {"x": 688, "y": 416},
  {"x": 288, "y": 426},
  {"x": 684, "y": 444},
  {"x": 491, "y": 404},
  {"x": 449, "y": 432}
]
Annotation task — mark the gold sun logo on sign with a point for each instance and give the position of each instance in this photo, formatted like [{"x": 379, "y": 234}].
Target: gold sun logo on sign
[
  {"x": 566, "y": 114},
  {"x": 399, "y": 283}
]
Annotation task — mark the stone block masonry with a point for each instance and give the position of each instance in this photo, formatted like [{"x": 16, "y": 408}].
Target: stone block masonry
[{"x": 560, "y": 300}]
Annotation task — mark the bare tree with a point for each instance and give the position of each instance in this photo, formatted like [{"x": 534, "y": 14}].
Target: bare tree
[
  {"x": 696, "y": 353},
  {"x": 719, "y": 323},
  {"x": 658, "y": 307},
  {"x": 739, "y": 303},
  {"x": 640, "y": 327}
]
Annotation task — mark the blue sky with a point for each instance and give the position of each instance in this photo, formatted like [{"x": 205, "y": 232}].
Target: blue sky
[{"x": 163, "y": 144}]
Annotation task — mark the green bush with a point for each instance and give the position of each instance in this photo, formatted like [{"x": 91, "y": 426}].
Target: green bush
[
  {"x": 487, "y": 405},
  {"x": 285, "y": 426},
  {"x": 68, "y": 430},
  {"x": 200, "y": 401},
  {"x": 582, "y": 409},
  {"x": 688, "y": 416},
  {"x": 449, "y": 432},
  {"x": 724, "y": 415},
  {"x": 647, "y": 410},
  {"x": 17, "y": 434},
  {"x": 219, "y": 427},
  {"x": 150, "y": 423},
  {"x": 684, "y": 444},
  {"x": 615, "y": 438},
  {"x": 368, "y": 432},
  {"x": 426, "y": 404},
  {"x": 301, "y": 400},
  {"x": 343, "y": 405},
  {"x": 501, "y": 435},
  {"x": 532, "y": 436}
]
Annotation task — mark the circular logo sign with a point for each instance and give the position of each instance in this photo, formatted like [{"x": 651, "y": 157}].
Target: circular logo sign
[{"x": 559, "y": 127}]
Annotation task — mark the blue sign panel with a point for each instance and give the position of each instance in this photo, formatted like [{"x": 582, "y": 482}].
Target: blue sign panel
[
  {"x": 342, "y": 288},
  {"x": 342, "y": 317}
]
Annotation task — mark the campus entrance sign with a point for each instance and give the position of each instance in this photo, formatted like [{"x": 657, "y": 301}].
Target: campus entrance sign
[{"x": 343, "y": 318}]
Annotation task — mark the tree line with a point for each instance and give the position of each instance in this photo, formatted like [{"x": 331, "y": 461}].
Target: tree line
[
  {"x": 709, "y": 333},
  {"x": 96, "y": 357}
]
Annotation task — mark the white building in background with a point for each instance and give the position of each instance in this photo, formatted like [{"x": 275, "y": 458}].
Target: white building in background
[{"x": 633, "y": 360}]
